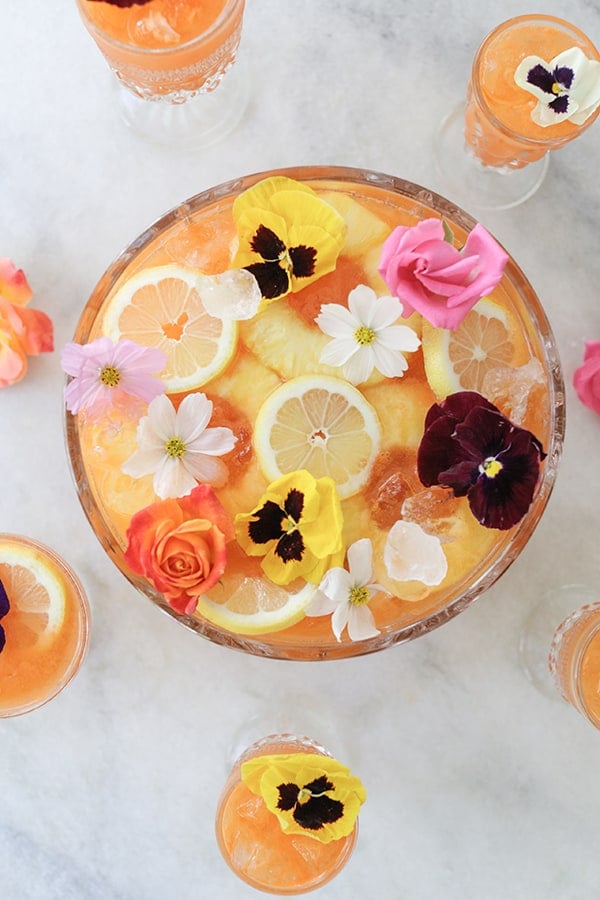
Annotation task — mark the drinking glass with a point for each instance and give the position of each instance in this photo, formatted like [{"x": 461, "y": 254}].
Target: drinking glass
[
  {"x": 36, "y": 664},
  {"x": 178, "y": 82},
  {"x": 253, "y": 843},
  {"x": 489, "y": 151},
  {"x": 574, "y": 660}
]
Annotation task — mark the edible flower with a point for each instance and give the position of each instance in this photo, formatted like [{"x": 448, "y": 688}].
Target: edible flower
[
  {"x": 288, "y": 236},
  {"x": 365, "y": 336},
  {"x": 180, "y": 546},
  {"x": 23, "y": 332},
  {"x": 310, "y": 794},
  {"x": 178, "y": 448},
  {"x": 296, "y": 527},
  {"x": 411, "y": 554},
  {"x": 346, "y": 594},
  {"x": 429, "y": 275},
  {"x": 567, "y": 88},
  {"x": 586, "y": 379},
  {"x": 4, "y": 608},
  {"x": 123, "y": 4},
  {"x": 108, "y": 375},
  {"x": 469, "y": 446}
]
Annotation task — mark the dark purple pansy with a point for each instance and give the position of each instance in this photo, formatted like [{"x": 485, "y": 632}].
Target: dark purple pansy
[
  {"x": 555, "y": 81},
  {"x": 275, "y": 523},
  {"x": 123, "y": 4},
  {"x": 469, "y": 446},
  {"x": 4, "y": 608},
  {"x": 279, "y": 262}
]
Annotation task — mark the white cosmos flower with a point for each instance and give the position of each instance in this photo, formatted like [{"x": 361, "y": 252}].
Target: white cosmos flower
[
  {"x": 346, "y": 594},
  {"x": 178, "y": 448},
  {"x": 365, "y": 336}
]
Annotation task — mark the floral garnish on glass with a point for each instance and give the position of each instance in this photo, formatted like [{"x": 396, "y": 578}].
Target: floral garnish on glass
[
  {"x": 470, "y": 447},
  {"x": 567, "y": 88},
  {"x": 180, "y": 546},
  {"x": 310, "y": 794},
  {"x": 23, "y": 332},
  {"x": 288, "y": 236},
  {"x": 296, "y": 527}
]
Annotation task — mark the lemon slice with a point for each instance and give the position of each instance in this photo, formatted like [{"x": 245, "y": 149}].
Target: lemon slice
[
  {"x": 488, "y": 338},
  {"x": 363, "y": 228},
  {"x": 162, "y": 307},
  {"x": 255, "y": 606},
  {"x": 318, "y": 423},
  {"x": 36, "y": 592}
]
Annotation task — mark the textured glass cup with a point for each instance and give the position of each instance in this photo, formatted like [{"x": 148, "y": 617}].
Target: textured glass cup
[
  {"x": 32, "y": 674},
  {"x": 574, "y": 661},
  {"x": 252, "y": 842},
  {"x": 185, "y": 236},
  {"x": 183, "y": 92},
  {"x": 490, "y": 151}
]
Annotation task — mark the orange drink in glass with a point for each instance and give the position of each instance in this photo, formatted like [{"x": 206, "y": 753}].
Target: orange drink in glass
[
  {"x": 501, "y": 132},
  {"x": 45, "y": 624},
  {"x": 170, "y": 52},
  {"x": 251, "y": 838},
  {"x": 575, "y": 661}
]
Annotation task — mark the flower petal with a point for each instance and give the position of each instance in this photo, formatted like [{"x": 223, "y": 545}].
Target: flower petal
[
  {"x": 360, "y": 562},
  {"x": 361, "y": 624}
]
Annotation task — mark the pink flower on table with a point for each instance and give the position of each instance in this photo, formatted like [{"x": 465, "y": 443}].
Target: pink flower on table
[
  {"x": 431, "y": 277},
  {"x": 23, "y": 332},
  {"x": 105, "y": 374},
  {"x": 586, "y": 379}
]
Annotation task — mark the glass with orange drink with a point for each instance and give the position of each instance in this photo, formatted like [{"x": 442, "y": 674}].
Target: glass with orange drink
[
  {"x": 44, "y": 626},
  {"x": 174, "y": 60},
  {"x": 574, "y": 660},
  {"x": 286, "y": 819},
  {"x": 534, "y": 86}
]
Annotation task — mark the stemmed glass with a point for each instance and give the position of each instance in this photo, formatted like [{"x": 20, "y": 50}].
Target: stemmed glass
[
  {"x": 174, "y": 64},
  {"x": 535, "y": 86}
]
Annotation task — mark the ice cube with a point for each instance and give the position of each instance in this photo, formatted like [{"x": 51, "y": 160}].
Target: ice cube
[
  {"x": 410, "y": 554},
  {"x": 233, "y": 294},
  {"x": 511, "y": 388},
  {"x": 434, "y": 509},
  {"x": 387, "y": 500}
]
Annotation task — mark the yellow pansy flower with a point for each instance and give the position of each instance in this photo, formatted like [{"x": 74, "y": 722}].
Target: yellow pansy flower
[
  {"x": 310, "y": 794},
  {"x": 296, "y": 528},
  {"x": 288, "y": 236}
]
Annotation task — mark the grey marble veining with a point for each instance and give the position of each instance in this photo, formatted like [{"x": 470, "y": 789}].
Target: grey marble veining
[{"x": 479, "y": 787}]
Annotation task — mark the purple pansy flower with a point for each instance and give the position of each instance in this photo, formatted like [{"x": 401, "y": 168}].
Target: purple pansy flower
[
  {"x": 567, "y": 88},
  {"x": 469, "y": 446},
  {"x": 4, "y": 608}
]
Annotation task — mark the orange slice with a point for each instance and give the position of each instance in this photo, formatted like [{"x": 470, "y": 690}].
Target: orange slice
[
  {"x": 162, "y": 307},
  {"x": 37, "y": 595},
  {"x": 488, "y": 338}
]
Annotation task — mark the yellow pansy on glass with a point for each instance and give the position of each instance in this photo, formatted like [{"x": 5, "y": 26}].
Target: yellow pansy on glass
[
  {"x": 288, "y": 236},
  {"x": 310, "y": 794},
  {"x": 296, "y": 527}
]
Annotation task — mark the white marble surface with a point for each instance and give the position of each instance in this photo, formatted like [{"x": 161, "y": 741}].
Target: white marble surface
[{"x": 480, "y": 788}]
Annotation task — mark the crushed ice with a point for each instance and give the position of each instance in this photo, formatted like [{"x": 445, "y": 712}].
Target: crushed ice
[
  {"x": 513, "y": 387},
  {"x": 233, "y": 294},
  {"x": 410, "y": 554}
]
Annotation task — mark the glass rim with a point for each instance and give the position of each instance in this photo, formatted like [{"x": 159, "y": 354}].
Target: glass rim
[
  {"x": 480, "y": 577},
  {"x": 83, "y": 632},
  {"x": 549, "y": 142},
  {"x": 230, "y": 8}
]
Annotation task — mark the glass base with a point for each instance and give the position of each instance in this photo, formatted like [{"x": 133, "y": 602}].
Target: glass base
[
  {"x": 536, "y": 638},
  {"x": 197, "y": 121},
  {"x": 471, "y": 184}
]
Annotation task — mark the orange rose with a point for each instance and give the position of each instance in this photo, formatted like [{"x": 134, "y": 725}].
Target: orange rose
[
  {"x": 179, "y": 544},
  {"x": 23, "y": 331}
]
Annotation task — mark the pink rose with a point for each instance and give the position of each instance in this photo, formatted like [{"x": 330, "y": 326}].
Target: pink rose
[
  {"x": 430, "y": 276},
  {"x": 586, "y": 379},
  {"x": 179, "y": 545}
]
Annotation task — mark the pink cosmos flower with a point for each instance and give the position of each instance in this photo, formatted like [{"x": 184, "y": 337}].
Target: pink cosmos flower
[
  {"x": 586, "y": 379},
  {"x": 430, "y": 276},
  {"x": 106, "y": 374},
  {"x": 23, "y": 332}
]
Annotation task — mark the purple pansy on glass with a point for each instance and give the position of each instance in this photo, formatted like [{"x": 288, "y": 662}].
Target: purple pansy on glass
[
  {"x": 567, "y": 88},
  {"x": 4, "y": 608},
  {"x": 469, "y": 446},
  {"x": 124, "y": 4}
]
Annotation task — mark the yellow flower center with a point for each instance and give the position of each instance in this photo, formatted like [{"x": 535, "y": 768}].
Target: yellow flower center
[
  {"x": 304, "y": 796},
  {"x": 110, "y": 376},
  {"x": 557, "y": 88},
  {"x": 175, "y": 448},
  {"x": 490, "y": 467},
  {"x": 359, "y": 596},
  {"x": 364, "y": 335}
]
